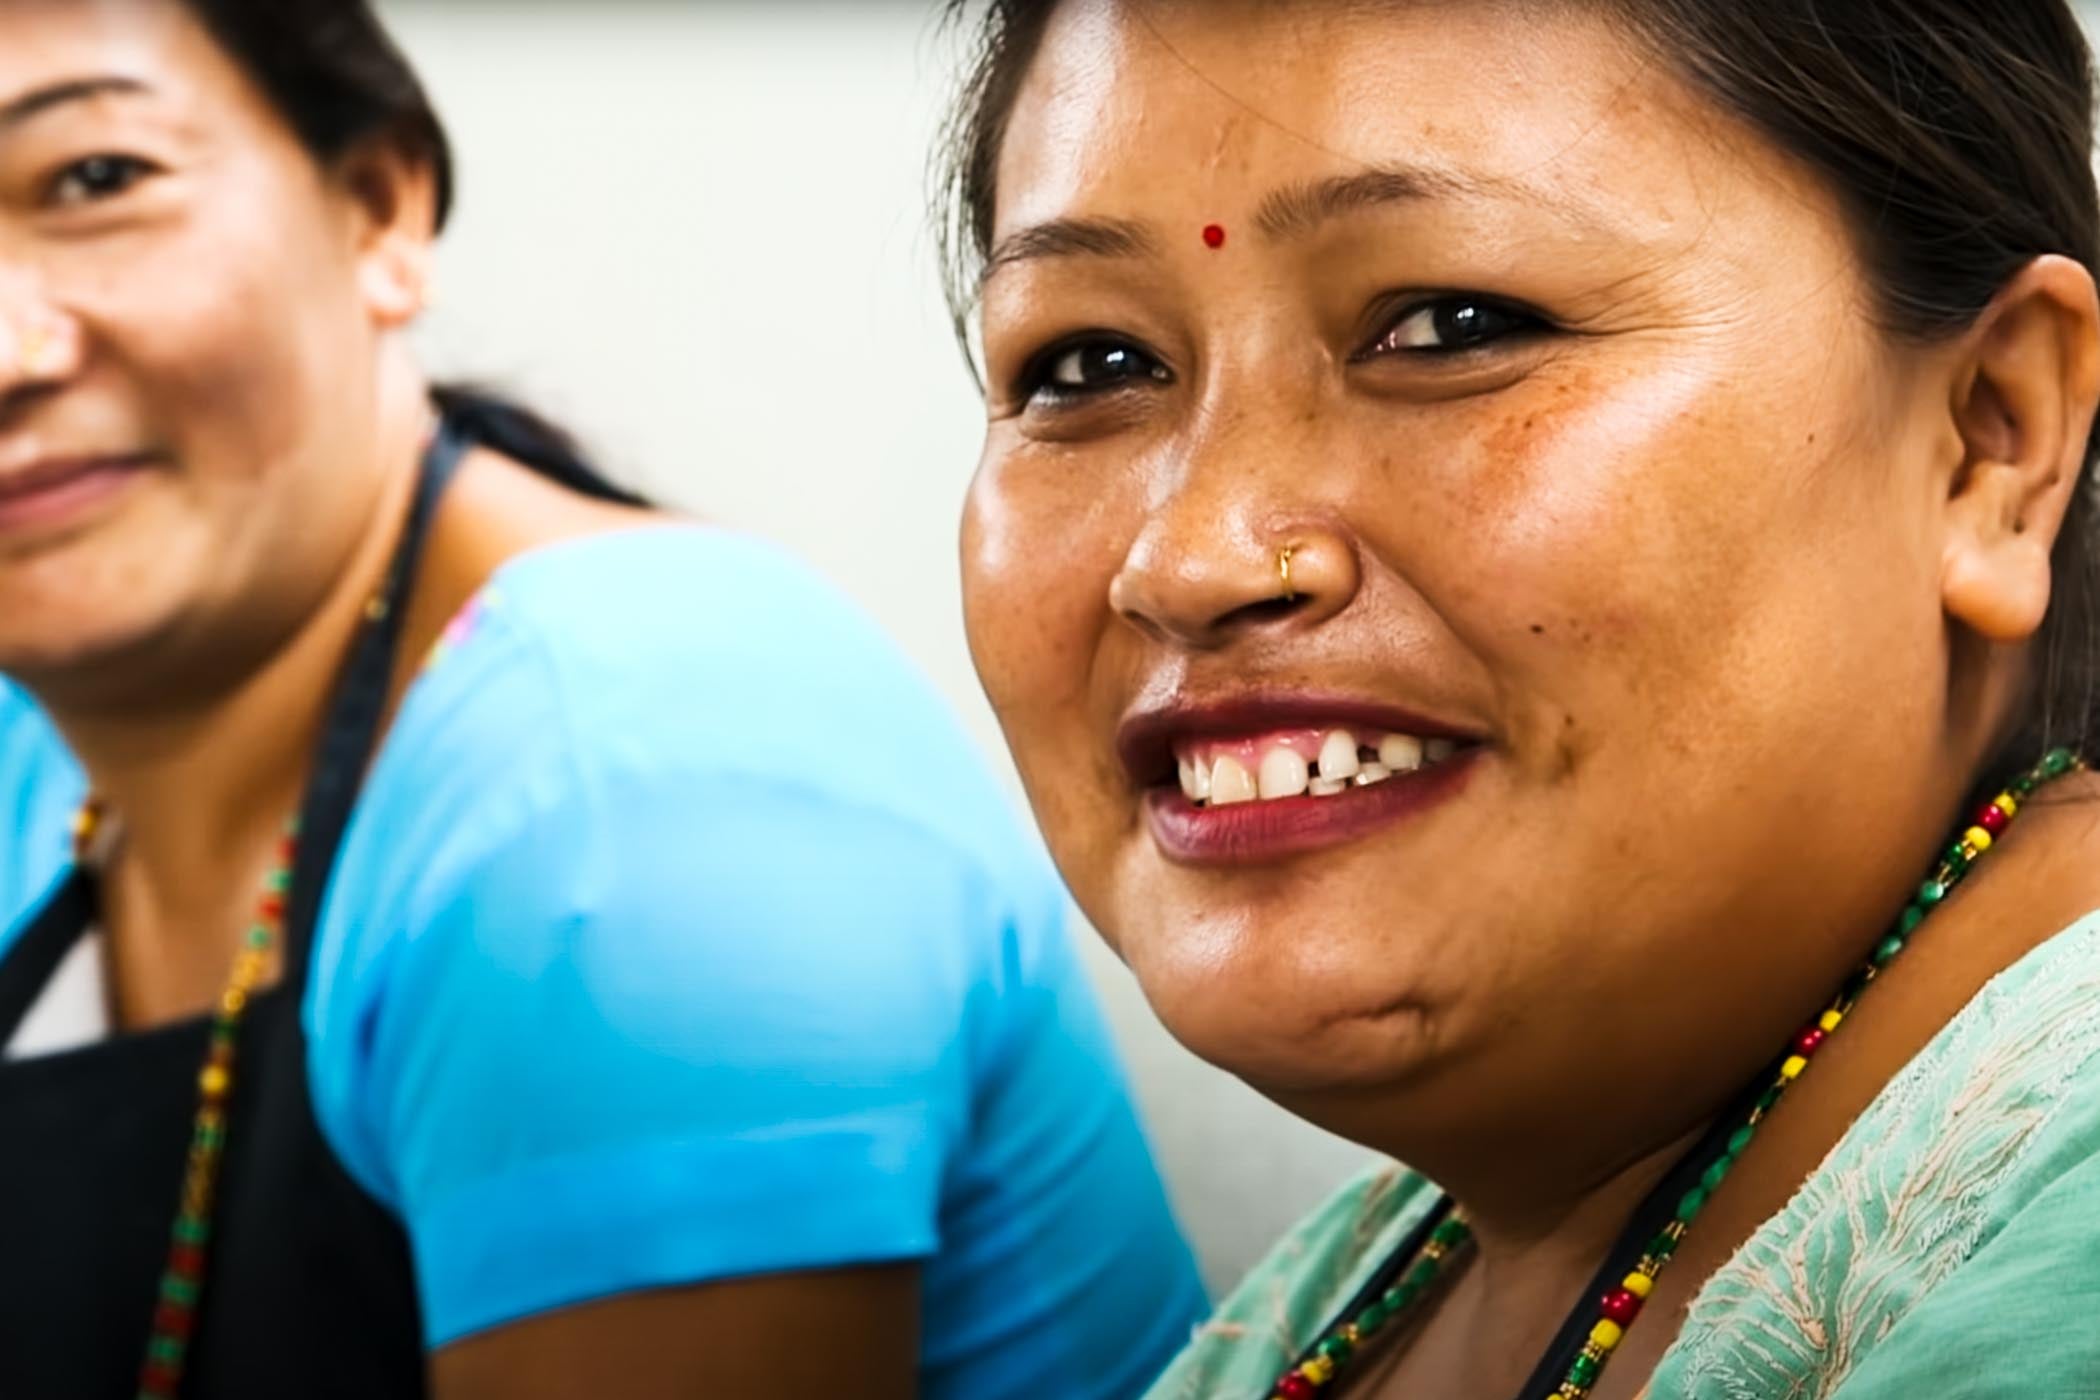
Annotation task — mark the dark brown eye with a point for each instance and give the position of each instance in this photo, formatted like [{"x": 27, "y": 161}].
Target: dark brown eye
[
  {"x": 97, "y": 177},
  {"x": 1451, "y": 324},
  {"x": 1091, "y": 367}
]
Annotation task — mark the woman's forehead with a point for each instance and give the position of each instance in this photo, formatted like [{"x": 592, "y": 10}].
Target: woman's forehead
[
  {"x": 1257, "y": 106},
  {"x": 143, "y": 48}
]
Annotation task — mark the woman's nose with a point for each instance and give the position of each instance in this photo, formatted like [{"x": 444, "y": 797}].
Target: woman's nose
[
  {"x": 1203, "y": 583},
  {"x": 40, "y": 344}
]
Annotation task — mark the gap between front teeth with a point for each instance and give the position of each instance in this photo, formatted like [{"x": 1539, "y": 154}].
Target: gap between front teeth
[{"x": 1283, "y": 772}]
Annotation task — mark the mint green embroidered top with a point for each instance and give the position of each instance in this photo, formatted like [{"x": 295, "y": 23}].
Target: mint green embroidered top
[{"x": 1948, "y": 1247}]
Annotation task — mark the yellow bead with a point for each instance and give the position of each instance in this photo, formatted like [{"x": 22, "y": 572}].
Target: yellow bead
[
  {"x": 1791, "y": 1070},
  {"x": 1830, "y": 1021},
  {"x": 1319, "y": 1370},
  {"x": 1606, "y": 1334},
  {"x": 1979, "y": 838},
  {"x": 2007, "y": 805},
  {"x": 1638, "y": 1284},
  {"x": 213, "y": 1081}
]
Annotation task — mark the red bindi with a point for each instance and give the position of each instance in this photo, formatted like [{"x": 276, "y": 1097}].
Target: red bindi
[{"x": 1214, "y": 235}]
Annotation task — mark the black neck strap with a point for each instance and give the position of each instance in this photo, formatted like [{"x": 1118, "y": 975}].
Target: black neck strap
[{"x": 356, "y": 714}]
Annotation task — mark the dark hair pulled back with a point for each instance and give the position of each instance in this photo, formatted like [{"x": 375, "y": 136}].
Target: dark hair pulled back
[
  {"x": 1956, "y": 133},
  {"x": 338, "y": 79}
]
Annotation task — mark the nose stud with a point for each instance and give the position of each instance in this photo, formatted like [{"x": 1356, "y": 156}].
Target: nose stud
[{"x": 1283, "y": 570}]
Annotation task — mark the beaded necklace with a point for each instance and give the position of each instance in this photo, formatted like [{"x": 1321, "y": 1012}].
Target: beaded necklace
[
  {"x": 182, "y": 1278},
  {"x": 1405, "y": 1299}
]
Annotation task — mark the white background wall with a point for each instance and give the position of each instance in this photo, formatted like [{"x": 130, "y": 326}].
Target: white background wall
[{"x": 695, "y": 231}]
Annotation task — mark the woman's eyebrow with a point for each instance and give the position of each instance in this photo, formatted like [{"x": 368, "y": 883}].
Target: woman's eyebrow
[
  {"x": 37, "y": 101},
  {"x": 1296, "y": 211},
  {"x": 1292, "y": 211},
  {"x": 1064, "y": 238}
]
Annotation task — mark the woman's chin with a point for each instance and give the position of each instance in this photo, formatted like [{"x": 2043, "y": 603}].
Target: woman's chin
[{"x": 1287, "y": 1040}]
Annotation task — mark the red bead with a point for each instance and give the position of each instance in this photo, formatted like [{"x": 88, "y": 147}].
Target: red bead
[
  {"x": 158, "y": 1379},
  {"x": 1992, "y": 819},
  {"x": 1622, "y": 1307},
  {"x": 1810, "y": 1041},
  {"x": 186, "y": 1260},
  {"x": 1213, "y": 236},
  {"x": 273, "y": 906},
  {"x": 1296, "y": 1387},
  {"x": 173, "y": 1320}
]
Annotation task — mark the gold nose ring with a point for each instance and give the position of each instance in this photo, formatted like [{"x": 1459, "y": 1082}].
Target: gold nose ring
[{"x": 1283, "y": 570}]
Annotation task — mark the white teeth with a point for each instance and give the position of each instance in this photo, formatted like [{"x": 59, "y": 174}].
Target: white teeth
[
  {"x": 1400, "y": 752},
  {"x": 1338, "y": 755},
  {"x": 1230, "y": 782},
  {"x": 1283, "y": 774},
  {"x": 1195, "y": 778}
]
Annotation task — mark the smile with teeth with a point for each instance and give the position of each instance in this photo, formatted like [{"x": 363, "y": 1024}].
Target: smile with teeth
[{"x": 1322, "y": 763}]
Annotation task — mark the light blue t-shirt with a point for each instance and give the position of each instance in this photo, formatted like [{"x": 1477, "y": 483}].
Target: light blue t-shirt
[{"x": 679, "y": 936}]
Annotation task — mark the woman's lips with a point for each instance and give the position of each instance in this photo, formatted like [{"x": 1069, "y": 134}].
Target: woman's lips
[
  {"x": 55, "y": 493},
  {"x": 1261, "y": 777},
  {"x": 1258, "y": 832}
]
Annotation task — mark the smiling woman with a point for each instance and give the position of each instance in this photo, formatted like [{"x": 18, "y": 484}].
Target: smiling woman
[
  {"x": 1530, "y": 609},
  {"x": 466, "y": 976}
]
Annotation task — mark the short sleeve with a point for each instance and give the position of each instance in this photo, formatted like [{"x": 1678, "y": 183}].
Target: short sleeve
[{"x": 619, "y": 1028}]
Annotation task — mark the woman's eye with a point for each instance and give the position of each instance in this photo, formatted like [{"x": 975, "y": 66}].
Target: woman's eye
[
  {"x": 1091, "y": 367},
  {"x": 1453, "y": 324},
  {"x": 95, "y": 178}
]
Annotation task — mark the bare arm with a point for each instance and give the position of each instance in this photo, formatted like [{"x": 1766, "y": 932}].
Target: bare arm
[{"x": 847, "y": 1333}]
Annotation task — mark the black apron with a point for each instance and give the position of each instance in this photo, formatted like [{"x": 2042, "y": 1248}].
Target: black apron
[{"x": 309, "y": 1289}]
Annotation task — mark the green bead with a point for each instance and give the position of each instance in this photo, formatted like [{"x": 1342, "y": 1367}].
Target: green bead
[
  {"x": 1956, "y": 859},
  {"x": 1371, "y": 1319},
  {"x": 1584, "y": 1372},
  {"x": 190, "y": 1229},
  {"x": 259, "y": 936},
  {"x": 1711, "y": 1180},
  {"x": 165, "y": 1349},
  {"x": 1907, "y": 924},
  {"x": 177, "y": 1289},
  {"x": 1451, "y": 1232},
  {"x": 1769, "y": 1099},
  {"x": 1694, "y": 1201},
  {"x": 1662, "y": 1246},
  {"x": 1337, "y": 1349},
  {"x": 1741, "y": 1140},
  {"x": 1398, "y": 1298},
  {"x": 1885, "y": 953},
  {"x": 2056, "y": 763},
  {"x": 279, "y": 880},
  {"x": 1930, "y": 893},
  {"x": 209, "y": 1137}
]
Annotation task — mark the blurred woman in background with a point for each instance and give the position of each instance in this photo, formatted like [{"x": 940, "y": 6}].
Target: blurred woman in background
[
  {"x": 1573, "y": 613},
  {"x": 635, "y": 986}
]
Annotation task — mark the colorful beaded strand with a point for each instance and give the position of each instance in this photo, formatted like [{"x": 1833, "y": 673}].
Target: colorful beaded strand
[
  {"x": 182, "y": 1279},
  {"x": 1618, "y": 1309}
]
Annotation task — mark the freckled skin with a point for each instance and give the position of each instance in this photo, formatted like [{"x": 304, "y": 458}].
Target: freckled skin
[{"x": 1677, "y": 558}]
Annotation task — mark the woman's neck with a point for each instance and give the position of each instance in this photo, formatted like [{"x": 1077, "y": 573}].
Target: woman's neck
[{"x": 204, "y": 781}]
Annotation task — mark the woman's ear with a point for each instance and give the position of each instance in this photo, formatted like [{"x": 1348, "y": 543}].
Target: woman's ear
[
  {"x": 2026, "y": 385},
  {"x": 393, "y": 193}
]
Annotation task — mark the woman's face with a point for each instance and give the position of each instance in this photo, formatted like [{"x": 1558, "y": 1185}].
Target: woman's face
[
  {"x": 1612, "y": 528},
  {"x": 189, "y": 317}
]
